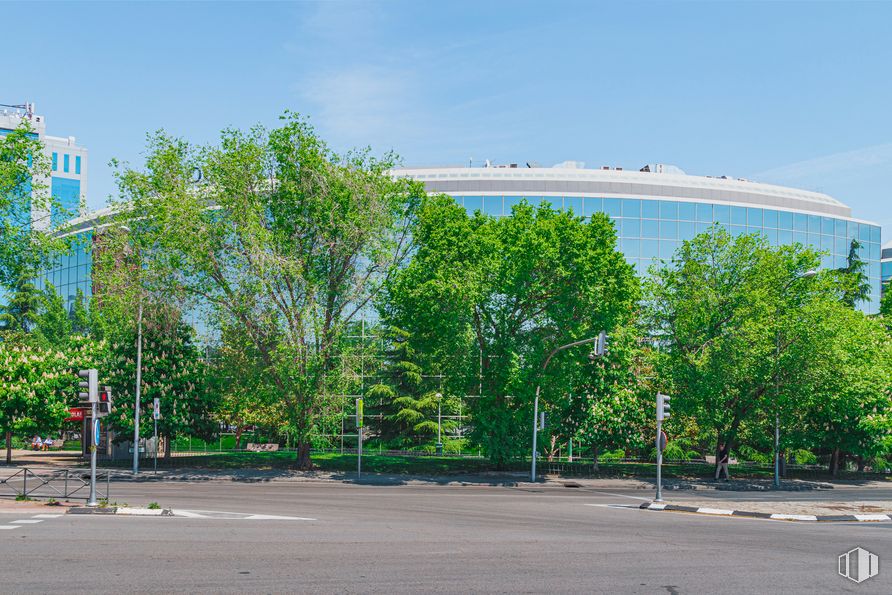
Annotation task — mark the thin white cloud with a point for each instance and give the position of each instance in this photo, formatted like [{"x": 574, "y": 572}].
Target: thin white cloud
[{"x": 838, "y": 166}]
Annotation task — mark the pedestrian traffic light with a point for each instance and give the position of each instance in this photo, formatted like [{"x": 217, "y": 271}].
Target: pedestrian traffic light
[
  {"x": 105, "y": 402},
  {"x": 90, "y": 382},
  {"x": 662, "y": 406}
]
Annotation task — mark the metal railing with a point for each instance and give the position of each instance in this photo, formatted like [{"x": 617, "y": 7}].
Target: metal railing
[{"x": 63, "y": 484}]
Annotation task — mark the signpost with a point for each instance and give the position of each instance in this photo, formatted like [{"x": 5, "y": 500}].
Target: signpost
[
  {"x": 90, "y": 382},
  {"x": 156, "y": 415},
  {"x": 75, "y": 414},
  {"x": 662, "y": 413},
  {"x": 359, "y": 431}
]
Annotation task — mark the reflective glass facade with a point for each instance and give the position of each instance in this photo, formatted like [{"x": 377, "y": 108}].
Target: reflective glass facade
[
  {"x": 649, "y": 230},
  {"x": 71, "y": 272}
]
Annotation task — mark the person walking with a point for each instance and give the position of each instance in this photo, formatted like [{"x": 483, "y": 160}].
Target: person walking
[{"x": 722, "y": 461}]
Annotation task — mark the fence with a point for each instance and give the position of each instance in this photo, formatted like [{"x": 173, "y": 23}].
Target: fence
[{"x": 62, "y": 484}]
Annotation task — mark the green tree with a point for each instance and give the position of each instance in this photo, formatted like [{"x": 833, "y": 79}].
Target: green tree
[
  {"x": 173, "y": 372},
  {"x": 53, "y": 323},
  {"x": 854, "y": 284},
  {"x": 284, "y": 239},
  {"x": 21, "y": 312},
  {"x": 886, "y": 303},
  {"x": 39, "y": 384},
  {"x": 724, "y": 314},
  {"x": 486, "y": 299}
]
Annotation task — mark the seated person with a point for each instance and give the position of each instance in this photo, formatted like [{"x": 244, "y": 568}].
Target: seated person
[
  {"x": 48, "y": 443},
  {"x": 36, "y": 443}
]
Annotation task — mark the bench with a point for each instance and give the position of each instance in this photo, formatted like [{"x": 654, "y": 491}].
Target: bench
[{"x": 253, "y": 447}]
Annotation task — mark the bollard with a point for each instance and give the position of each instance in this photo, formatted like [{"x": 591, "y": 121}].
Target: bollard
[{"x": 65, "y": 491}]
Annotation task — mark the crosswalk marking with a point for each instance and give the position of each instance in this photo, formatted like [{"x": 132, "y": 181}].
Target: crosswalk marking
[
  {"x": 27, "y": 521},
  {"x": 47, "y": 516},
  {"x": 9, "y": 526}
]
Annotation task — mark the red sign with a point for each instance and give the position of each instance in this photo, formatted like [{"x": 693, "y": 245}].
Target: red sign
[{"x": 77, "y": 414}]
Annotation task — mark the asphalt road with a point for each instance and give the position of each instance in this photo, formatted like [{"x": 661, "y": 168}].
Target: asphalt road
[{"x": 455, "y": 539}]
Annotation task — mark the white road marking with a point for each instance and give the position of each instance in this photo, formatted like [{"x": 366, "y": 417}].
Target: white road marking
[
  {"x": 47, "y": 516},
  {"x": 10, "y": 526},
  {"x": 246, "y": 516},
  {"x": 872, "y": 517},
  {"x": 27, "y": 521}
]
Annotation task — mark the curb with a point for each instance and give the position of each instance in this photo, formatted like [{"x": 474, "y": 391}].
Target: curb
[{"x": 767, "y": 515}]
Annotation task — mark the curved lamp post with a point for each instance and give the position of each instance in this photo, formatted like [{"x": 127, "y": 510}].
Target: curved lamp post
[{"x": 539, "y": 386}]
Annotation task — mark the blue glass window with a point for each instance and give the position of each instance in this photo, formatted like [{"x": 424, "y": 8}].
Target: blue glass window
[
  {"x": 593, "y": 205},
  {"x": 687, "y": 211},
  {"x": 751, "y": 229},
  {"x": 770, "y": 218},
  {"x": 827, "y": 261},
  {"x": 800, "y": 237},
  {"x": 56, "y": 163},
  {"x": 841, "y": 246},
  {"x": 800, "y": 222},
  {"x": 703, "y": 227},
  {"x": 827, "y": 244},
  {"x": 556, "y": 202},
  {"x": 668, "y": 210},
  {"x": 704, "y": 213},
  {"x": 840, "y": 227},
  {"x": 771, "y": 234},
  {"x": 839, "y": 261},
  {"x": 650, "y": 209},
  {"x": 630, "y": 247},
  {"x": 722, "y": 214},
  {"x": 492, "y": 205},
  {"x": 65, "y": 162},
  {"x": 573, "y": 203},
  {"x": 511, "y": 202},
  {"x": 738, "y": 216},
  {"x": 784, "y": 220},
  {"x": 473, "y": 203},
  {"x": 77, "y": 164},
  {"x": 874, "y": 251},
  {"x": 827, "y": 226},
  {"x": 814, "y": 224},
  {"x": 650, "y": 248},
  {"x": 650, "y": 228},
  {"x": 631, "y": 207},
  {"x": 814, "y": 240},
  {"x": 686, "y": 230},
  {"x": 875, "y": 234},
  {"x": 754, "y": 217},
  {"x": 784, "y": 237},
  {"x": 668, "y": 248},
  {"x": 737, "y": 230},
  {"x": 863, "y": 232},
  {"x": 613, "y": 207},
  {"x": 631, "y": 228},
  {"x": 668, "y": 230},
  {"x": 851, "y": 229}
]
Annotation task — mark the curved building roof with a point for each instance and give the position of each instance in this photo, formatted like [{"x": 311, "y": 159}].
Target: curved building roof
[{"x": 621, "y": 183}]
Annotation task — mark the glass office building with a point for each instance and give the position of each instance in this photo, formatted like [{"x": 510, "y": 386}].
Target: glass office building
[
  {"x": 886, "y": 264},
  {"x": 656, "y": 208}
]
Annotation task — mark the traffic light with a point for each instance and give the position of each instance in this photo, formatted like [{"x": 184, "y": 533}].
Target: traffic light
[
  {"x": 662, "y": 406},
  {"x": 601, "y": 345},
  {"x": 105, "y": 402},
  {"x": 91, "y": 383}
]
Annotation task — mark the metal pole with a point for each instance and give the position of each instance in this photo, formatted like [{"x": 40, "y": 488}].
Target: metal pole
[
  {"x": 570, "y": 457},
  {"x": 659, "y": 497},
  {"x": 776, "y": 410},
  {"x": 93, "y": 446},
  {"x": 359, "y": 458},
  {"x": 155, "y": 441},
  {"x": 535, "y": 428},
  {"x": 138, "y": 390}
]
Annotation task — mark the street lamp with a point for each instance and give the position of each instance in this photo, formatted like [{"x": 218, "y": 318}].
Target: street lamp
[
  {"x": 138, "y": 391},
  {"x": 601, "y": 337},
  {"x": 806, "y": 275}
]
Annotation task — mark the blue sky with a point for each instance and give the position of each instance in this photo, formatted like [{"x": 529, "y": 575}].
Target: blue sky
[{"x": 792, "y": 93}]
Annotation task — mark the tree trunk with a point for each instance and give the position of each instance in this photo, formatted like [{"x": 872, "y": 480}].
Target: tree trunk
[
  {"x": 860, "y": 463},
  {"x": 9, "y": 448},
  {"x": 552, "y": 448},
  {"x": 595, "y": 452},
  {"x": 834, "y": 462},
  {"x": 238, "y": 437},
  {"x": 167, "y": 448},
  {"x": 304, "y": 463}
]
